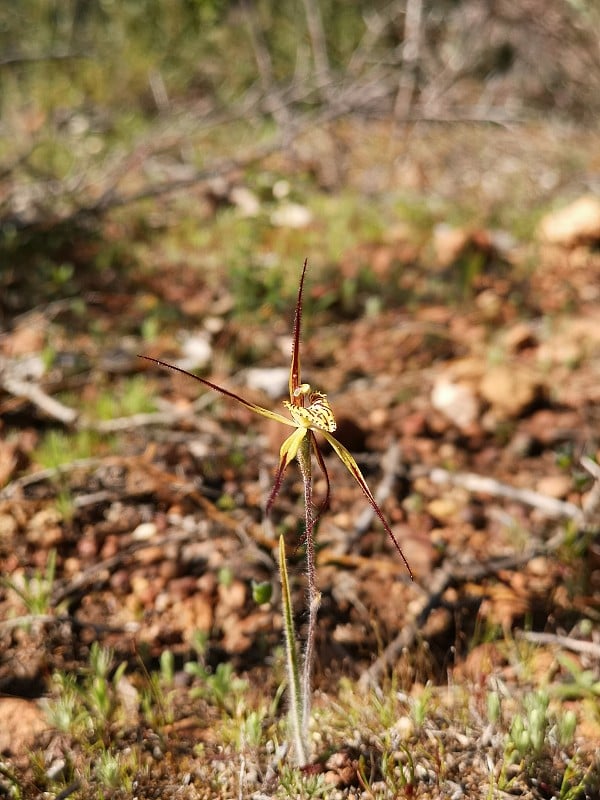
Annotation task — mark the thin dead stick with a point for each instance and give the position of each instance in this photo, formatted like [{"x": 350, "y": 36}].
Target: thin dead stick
[
  {"x": 566, "y": 642},
  {"x": 390, "y": 463},
  {"x": 34, "y": 393},
  {"x": 93, "y": 498},
  {"x": 591, "y": 502},
  {"x": 48, "y": 474},
  {"x": 439, "y": 582},
  {"x": 100, "y": 572},
  {"x": 411, "y": 51},
  {"x": 44, "y": 57},
  {"x": 70, "y": 416},
  {"x": 265, "y": 68},
  {"x": 28, "y": 620},
  {"x": 447, "y": 575},
  {"x": 318, "y": 42},
  {"x": 550, "y": 506},
  {"x": 139, "y": 420}
]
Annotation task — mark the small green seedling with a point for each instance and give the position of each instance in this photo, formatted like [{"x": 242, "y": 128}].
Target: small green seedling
[
  {"x": 35, "y": 591},
  {"x": 310, "y": 413}
]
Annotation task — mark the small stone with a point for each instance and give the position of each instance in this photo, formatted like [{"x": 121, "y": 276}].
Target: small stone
[
  {"x": 44, "y": 529},
  {"x": 56, "y": 769},
  {"x": 119, "y": 582},
  {"x": 443, "y": 509},
  {"x": 194, "y": 613},
  {"x": 245, "y": 200},
  {"x": 197, "y": 351},
  {"x": 8, "y": 526},
  {"x": 183, "y": 587},
  {"x": 151, "y": 555},
  {"x": 272, "y": 381},
  {"x": 144, "y": 531},
  {"x": 232, "y": 597},
  {"x": 405, "y": 728},
  {"x": 281, "y": 189},
  {"x": 456, "y": 401},
  {"x": 448, "y": 244},
  {"x": 538, "y": 566},
  {"x": 509, "y": 389},
  {"x": 519, "y": 336},
  {"x": 577, "y": 223},
  {"x": 20, "y": 722},
  {"x": 291, "y": 215},
  {"x": 557, "y": 486},
  {"x": 414, "y": 424},
  {"x": 143, "y": 590}
]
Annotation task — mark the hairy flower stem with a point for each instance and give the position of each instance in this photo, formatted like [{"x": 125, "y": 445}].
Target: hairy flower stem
[{"x": 314, "y": 596}]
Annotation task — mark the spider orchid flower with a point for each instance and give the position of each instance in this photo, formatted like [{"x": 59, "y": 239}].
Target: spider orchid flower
[{"x": 310, "y": 413}]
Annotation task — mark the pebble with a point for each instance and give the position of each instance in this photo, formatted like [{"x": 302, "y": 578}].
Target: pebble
[
  {"x": 577, "y": 223},
  {"x": 144, "y": 531},
  {"x": 557, "y": 486},
  {"x": 509, "y": 389}
]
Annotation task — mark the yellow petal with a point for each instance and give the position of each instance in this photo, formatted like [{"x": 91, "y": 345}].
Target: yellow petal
[{"x": 289, "y": 448}]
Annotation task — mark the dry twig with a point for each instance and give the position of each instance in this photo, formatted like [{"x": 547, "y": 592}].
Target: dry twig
[
  {"x": 447, "y": 575},
  {"x": 34, "y": 393},
  {"x": 390, "y": 463},
  {"x": 549, "y": 506},
  {"x": 566, "y": 642}
]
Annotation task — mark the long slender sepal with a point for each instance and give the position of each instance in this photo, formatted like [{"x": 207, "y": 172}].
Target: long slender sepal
[
  {"x": 287, "y": 453},
  {"x": 264, "y": 412},
  {"x": 293, "y": 667},
  {"x": 295, "y": 363},
  {"x": 323, "y": 468},
  {"x": 276, "y": 486},
  {"x": 353, "y": 469}
]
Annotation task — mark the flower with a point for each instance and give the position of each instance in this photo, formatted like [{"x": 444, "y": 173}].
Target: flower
[{"x": 310, "y": 412}]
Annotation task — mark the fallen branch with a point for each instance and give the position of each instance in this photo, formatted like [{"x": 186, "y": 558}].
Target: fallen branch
[
  {"x": 29, "y": 620},
  {"x": 447, "y": 575},
  {"x": 591, "y": 502},
  {"x": 48, "y": 474},
  {"x": 566, "y": 642},
  {"x": 390, "y": 463},
  {"x": 34, "y": 393},
  {"x": 71, "y": 417},
  {"x": 549, "y": 506},
  {"x": 118, "y": 424},
  {"x": 18, "y": 60}
]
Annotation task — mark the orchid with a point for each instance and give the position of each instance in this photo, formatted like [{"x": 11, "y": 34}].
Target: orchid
[{"x": 310, "y": 413}]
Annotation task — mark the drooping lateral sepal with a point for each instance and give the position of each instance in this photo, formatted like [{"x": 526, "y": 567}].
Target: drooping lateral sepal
[{"x": 353, "y": 468}]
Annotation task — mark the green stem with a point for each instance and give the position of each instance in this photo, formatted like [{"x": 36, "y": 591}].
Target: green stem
[
  {"x": 296, "y": 703},
  {"x": 314, "y": 596}
]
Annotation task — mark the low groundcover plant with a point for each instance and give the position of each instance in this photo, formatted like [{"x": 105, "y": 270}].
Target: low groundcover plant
[{"x": 310, "y": 412}]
